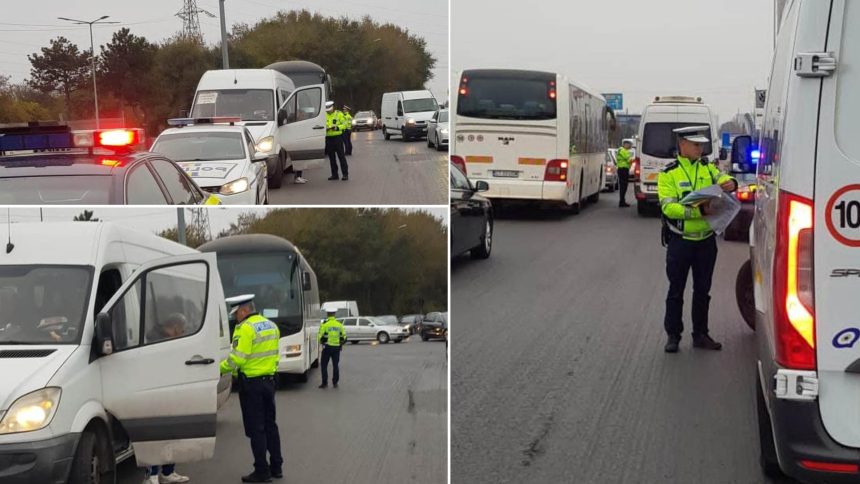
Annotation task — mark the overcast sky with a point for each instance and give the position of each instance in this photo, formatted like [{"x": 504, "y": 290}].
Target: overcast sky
[
  {"x": 151, "y": 219},
  {"x": 642, "y": 48},
  {"x": 155, "y": 20}
]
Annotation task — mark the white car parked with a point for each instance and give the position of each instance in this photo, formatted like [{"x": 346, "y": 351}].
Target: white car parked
[
  {"x": 220, "y": 158},
  {"x": 437, "y": 131}
]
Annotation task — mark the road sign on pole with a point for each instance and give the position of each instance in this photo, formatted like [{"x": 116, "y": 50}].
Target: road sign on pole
[
  {"x": 615, "y": 100},
  {"x": 760, "y": 98}
]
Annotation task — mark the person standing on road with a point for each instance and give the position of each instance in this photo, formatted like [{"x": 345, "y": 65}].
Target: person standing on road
[
  {"x": 254, "y": 361},
  {"x": 691, "y": 243},
  {"x": 334, "y": 141},
  {"x": 332, "y": 336},
  {"x": 622, "y": 164},
  {"x": 347, "y": 132}
]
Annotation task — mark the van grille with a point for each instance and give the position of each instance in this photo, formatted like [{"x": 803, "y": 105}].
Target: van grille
[{"x": 25, "y": 353}]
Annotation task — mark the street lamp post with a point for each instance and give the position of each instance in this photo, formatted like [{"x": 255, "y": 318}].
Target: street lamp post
[
  {"x": 92, "y": 55},
  {"x": 225, "y": 61}
]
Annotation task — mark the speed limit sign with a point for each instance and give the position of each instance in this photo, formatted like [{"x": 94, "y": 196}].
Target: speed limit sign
[{"x": 843, "y": 215}]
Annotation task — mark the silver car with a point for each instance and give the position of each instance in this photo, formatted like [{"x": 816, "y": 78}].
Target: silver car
[
  {"x": 369, "y": 328},
  {"x": 364, "y": 120},
  {"x": 437, "y": 130}
]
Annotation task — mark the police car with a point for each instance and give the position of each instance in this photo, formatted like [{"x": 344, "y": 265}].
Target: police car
[
  {"x": 220, "y": 156},
  {"x": 804, "y": 271},
  {"x": 49, "y": 163}
]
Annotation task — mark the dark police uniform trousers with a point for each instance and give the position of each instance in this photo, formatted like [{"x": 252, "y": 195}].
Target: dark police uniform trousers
[
  {"x": 681, "y": 256},
  {"x": 257, "y": 401},
  {"x": 333, "y": 353},
  {"x": 334, "y": 150},
  {"x": 347, "y": 141},
  {"x": 623, "y": 175}
]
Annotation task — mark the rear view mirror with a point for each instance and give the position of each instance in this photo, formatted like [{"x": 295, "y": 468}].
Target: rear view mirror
[
  {"x": 104, "y": 334},
  {"x": 306, "y": 282},
  {"x": 481, "y": 186}
]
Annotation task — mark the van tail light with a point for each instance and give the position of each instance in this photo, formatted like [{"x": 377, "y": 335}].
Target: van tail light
[
  {"x": 793, "y": 296},
  {"x": 459, "y": 162},
  {"x": 634, "y": 165},
  {"x": 556, "y": 170}
]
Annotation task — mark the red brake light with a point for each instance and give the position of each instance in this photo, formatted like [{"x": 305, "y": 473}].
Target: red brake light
[
  {"x": 556, "y": 170},
  {"x": 551, "y": 94},
  {"x": 117, "y": 137},
  {"x": 459, "y": 162},
  {"x": 794, "y": 304},
  {"x": 635, "y": 165},
  {"x": 744, "y": 195},
  {"x": 463, "y": 91},
  {"x": 830, "y": 466}
]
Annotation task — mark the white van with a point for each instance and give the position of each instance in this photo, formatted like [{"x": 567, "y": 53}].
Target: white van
[
  {"x": 657, "y": 143},
  {"x": 343, "y": 308},
  {"x": 406, "y": 113},
  {"x": 805, "y": 248},
  {"x": 110, "y": 341},
  {"x": 288, "y": 123}
]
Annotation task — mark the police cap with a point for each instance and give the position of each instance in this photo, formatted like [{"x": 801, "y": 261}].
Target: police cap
[{"x": 696, "y": 134}]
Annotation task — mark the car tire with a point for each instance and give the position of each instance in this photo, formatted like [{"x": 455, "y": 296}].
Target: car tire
[
  {"x": 385, "y": 133},
  {"x": 93, "y": 462},
  {"x": 482, "y": 251},
  {"x": 276, "y": 178},
  {"x": 399, "y": 340},
  {"x": 316, "y": 363},
  {"x": 440, "y": 147},
  {"x": 383, "y": 338},
  {"x": 744, "y": 294},
  {"x": 767, "y": 456}
]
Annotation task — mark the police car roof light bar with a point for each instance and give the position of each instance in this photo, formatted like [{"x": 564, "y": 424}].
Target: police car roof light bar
[{"x": 53, "y": 136}]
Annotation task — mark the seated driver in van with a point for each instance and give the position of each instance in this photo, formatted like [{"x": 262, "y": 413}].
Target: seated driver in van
[{"x": 171, "y": 327}]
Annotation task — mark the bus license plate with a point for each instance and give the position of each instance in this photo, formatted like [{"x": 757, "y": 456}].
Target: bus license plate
[
  {"x": 506, "y": 173},
  {"x": 650, "y": 188}
]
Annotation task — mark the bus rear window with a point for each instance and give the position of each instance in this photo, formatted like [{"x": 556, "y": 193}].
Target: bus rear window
[
  {"x": 506, "y": 97},
  {"x": 659, "y": 141}
]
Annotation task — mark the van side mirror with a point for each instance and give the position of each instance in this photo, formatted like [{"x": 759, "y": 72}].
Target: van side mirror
[
  {"x": 259, "y": 156},
  {"x": 104, "y": 334},
  {"x": 306, "y": 281},
  {"x": 282, "y": 117},
  {"x": 481, "y": 186}
]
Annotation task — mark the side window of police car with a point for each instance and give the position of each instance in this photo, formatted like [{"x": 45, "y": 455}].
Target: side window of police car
[
  {"x": 175, "y": 301},
  {"x": 175, "y": 182},
  {"x": 142, "y": 189}
]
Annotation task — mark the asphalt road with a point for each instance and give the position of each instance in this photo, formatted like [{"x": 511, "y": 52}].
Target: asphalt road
[
  {"x": 385, "y": 423},
  {"x": 380, "y": 173},
  {"x": 559, "y": 373}
]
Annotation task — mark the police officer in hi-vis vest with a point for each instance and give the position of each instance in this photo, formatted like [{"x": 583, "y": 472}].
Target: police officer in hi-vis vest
[
  {"x": 691, "y": 244},
  {"x": 332, "y": 337},
  {"x": 334, "y": 124},
  {"x": 254, "y": 361}
]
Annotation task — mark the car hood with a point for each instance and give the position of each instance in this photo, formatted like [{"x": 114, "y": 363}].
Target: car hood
[
  {"x": 421, "y": 115},
  {"x": 259, "y": 129},
  {"x": 213, "y": 173},
  {"x": 23, "y": 373}
]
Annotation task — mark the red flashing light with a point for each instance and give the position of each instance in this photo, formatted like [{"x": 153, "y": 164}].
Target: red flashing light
[
  {"x": 117, "y": 137},
  {"x": 556, "y": 170},
  {"x": 838, "y": 467},
  {"x": 459, "y": 162},
  {"x": 551, "y": 94}
]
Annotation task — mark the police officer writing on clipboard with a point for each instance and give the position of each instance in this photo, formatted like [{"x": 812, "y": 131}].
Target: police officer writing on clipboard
[
  {"x": 691, "y": 244},
  {"x": 254, "y": 361}
]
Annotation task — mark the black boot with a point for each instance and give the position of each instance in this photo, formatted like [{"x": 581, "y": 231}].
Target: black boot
[
  {"x": 277, "y": 473},
  {"x": 255, "y": 477},
  {"x": 706, "y": 342},
  {"x": 672, "y": 344},
  {"x": 323, "y": 385},
  {"x": 334, "y": 177}
]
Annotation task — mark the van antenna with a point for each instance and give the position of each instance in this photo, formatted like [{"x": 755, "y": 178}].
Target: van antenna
[
  {"x": 235, "y": 81},
  {"x": 9, "y": 244}
]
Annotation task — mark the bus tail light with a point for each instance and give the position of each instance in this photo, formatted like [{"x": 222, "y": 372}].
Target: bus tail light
[
  {"x": 459, "y": 162},
  {"x": 556, "y": 170},
  {"x": 793, "y": 297}
]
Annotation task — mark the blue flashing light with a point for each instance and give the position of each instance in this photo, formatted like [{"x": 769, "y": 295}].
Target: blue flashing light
[
  {"x": 755, "y": 155},
  {"x": 35, "y": 141}
]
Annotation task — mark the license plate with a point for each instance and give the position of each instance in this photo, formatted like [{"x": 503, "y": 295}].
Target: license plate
[
  {"x": 650, "y": 188},
  {"x": 506, "y": 173}
]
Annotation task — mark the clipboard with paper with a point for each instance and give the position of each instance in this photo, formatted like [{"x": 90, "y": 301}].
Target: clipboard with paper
[{"x": 722, "y": 208}]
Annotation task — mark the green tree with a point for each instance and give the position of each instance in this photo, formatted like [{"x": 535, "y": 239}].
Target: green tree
[
  {"x": 62, "y": 67},
  {"x": 125, "y": 65},
  {"x": 16, "y": 107},
  {"x": 85, "y": 216}
]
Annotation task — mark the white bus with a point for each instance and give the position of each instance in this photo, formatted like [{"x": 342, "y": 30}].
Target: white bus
[
  {"x": 286, "y": 291},
  {"x": 531, "y": 135}
]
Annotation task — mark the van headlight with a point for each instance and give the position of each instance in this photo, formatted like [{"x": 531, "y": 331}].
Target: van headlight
[
  {"x": 266, "y": 144},
  {"x": 33, "y": 411},
  {"x": 234, "y": 187}
]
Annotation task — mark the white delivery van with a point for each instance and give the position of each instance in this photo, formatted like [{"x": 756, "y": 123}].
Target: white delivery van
[
  {"x": 343, "y": 308},
  {"x": 805, "y": 248},
  {"x": 657, "y": 143},
  {"x": 406, "y": 113},
  {"x": 110, "y": 342},
  {"x": 288, "y": 123}
]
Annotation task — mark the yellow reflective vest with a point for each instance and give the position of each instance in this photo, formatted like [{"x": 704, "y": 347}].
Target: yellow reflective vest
[
  {"x": 332, "y": 333},
  {"x": 255, "y": 348},
  {"x": 677, "y": 180},
  {"x": 622, "y": 158},
  {"x": 334, "y": 123},
  {"x": 347, "y": 118}
]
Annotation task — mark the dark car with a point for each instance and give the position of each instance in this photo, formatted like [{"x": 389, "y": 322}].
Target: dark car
[
  {"x": 434, "y": 326},
  {"x": 739, "y": 228},
  {"x": 43, "y": 165},
  {"x": 411, "y": 322},
  {"x": 471, "y": 216}
]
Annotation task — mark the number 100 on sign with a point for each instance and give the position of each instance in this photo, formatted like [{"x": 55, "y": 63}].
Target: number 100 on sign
[{"x": 843, "y": 215}]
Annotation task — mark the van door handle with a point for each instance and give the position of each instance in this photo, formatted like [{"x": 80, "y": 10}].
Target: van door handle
[
  {"x": 199, "y": 360},
  {"x": 319, "y": 127}
]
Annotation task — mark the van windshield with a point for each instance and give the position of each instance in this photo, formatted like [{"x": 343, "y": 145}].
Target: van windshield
[
  {"x": 508, "y": 96},
  {"x": 420, "y": 105},
  {"x": 248, "y": 104},
  {"x": 43, "y": 304},
  {"x": 274, "y": 280},
  {"x": 659, "y": 141}
]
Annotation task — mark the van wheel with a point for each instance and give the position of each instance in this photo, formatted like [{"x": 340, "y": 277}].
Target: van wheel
[
  {"x": 385, "y": 133},
  {"x": 303, "y": 377},
  {"x": 353, "y": 341},
  {"x": 276, "y": 178},
  {"x": 767, "y": 458},
  {"x": 593, "y": 198},
  {"x": 93, "y": 462},
  {"x": 641, "y": 209},
  {"x": 744, "y": 294},
  {"x": 383, "y": 338}
]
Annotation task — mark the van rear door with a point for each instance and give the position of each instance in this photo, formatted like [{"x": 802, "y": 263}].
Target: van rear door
[
  {"x": 161, "y": 381},
  {"x": 304, "y": 131},
  {"x": 837, "y": 231}
]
